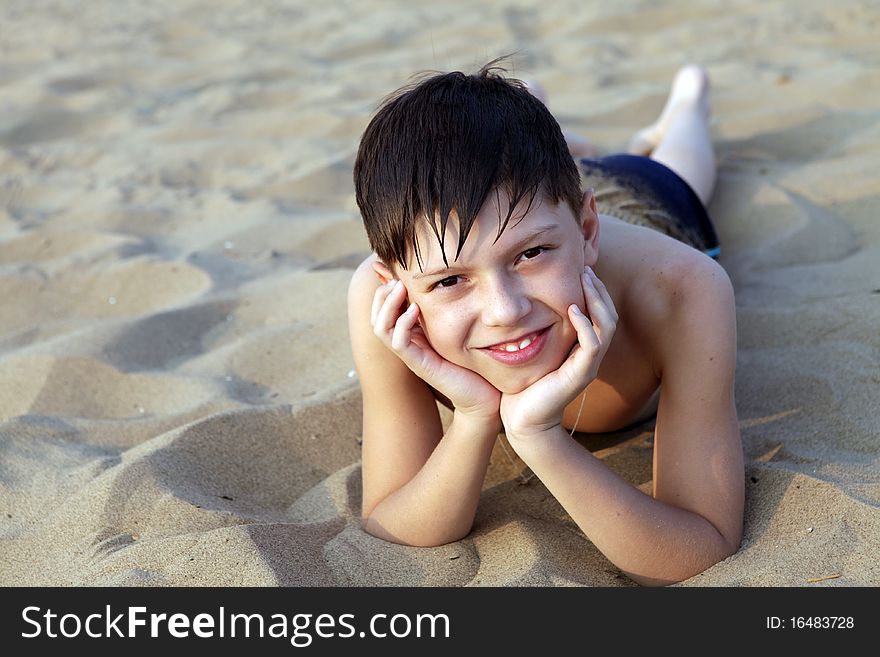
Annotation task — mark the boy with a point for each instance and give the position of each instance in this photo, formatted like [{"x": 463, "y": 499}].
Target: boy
[{"x": 494, "y": 297}]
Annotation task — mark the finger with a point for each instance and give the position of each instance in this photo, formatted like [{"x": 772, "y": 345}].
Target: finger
[
  {"x": 578, "y": 369},
  {"x": 586, "y": 334},
  {"x": 593, "y": 299},
  {"x": 416, "y": 354},
  {"x": 602, "y": 317},
  {"x": 401, "y": 336},
  {"x": 378, "y": 299},
  {"x": 603, "y": 292},
  {"x": 389, "y": 311}
]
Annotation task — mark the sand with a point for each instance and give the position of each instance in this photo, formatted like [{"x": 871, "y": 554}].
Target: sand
[{"x": 177, "y": 231}]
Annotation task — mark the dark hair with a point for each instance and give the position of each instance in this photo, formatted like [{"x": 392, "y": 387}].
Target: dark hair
[{"x": 444, "y": 143}]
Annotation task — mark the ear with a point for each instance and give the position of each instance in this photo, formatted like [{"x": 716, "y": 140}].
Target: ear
[
  {"x": 383, "y": 272},
  {"x": 589, "y": 221}
]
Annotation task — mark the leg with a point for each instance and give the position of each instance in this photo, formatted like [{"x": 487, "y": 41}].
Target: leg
[
  {"x": 681, "y": 138},
  {"x": 578, "y": 145}
]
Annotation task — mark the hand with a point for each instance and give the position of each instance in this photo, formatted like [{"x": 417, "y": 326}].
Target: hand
[
  {"x": 539, "y": 407},
  {"x": 469, "y": 393}
]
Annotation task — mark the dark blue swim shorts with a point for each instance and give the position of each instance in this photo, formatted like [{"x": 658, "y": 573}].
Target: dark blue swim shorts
[{"x": 642, "y": 191}]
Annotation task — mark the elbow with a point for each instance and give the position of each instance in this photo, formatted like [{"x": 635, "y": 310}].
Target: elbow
[
  {"x": 726, "y": 548},
  {"x": 731, "y": 547},
  {"x": 384, "y": 519},
  {"x": 646, "y": 581},
  {"x": 731, "y": 541},
  {"x": 428, "y": 539}
]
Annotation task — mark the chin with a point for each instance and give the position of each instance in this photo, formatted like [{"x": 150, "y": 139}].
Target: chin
[
  {"x": 512, "y": 386},
  {"x": 511, "y": 390}
]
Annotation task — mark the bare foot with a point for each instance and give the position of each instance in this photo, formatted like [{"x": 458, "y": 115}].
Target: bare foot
[
  {"x": 578, "y": 145},
  {"x": 690, "y": 88}
]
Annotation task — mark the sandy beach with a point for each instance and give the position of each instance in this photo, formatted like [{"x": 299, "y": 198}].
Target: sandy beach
[{"x": 178, "y": 401}]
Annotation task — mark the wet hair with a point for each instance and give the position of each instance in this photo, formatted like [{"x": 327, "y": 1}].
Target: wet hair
[{"x": 445, "y": 143}]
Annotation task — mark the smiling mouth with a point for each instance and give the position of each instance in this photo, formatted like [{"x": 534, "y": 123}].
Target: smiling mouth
[{"x": 518, "y": 344}]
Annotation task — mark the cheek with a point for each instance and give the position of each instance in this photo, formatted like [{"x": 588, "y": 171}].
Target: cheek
[
  {"x": 573, "y": 285},
  {"x": 573, "y": 292},
  {"x": 442, "y": 326},
  {"x": 562, "y": 287}
]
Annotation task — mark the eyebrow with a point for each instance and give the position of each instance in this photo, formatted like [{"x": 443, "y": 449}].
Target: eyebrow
[{"x": 539, "y": 232}]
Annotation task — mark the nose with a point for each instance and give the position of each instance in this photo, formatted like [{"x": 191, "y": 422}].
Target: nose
[{"x": 504, "y": 302}]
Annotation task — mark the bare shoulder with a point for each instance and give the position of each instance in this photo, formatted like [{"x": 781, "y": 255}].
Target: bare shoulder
[
  {"x": 361, "y": 288},
  {"x": 698, "y": 297},
  {"x": 401, "y": 423},
  {"x": 363, "y": 276},
  {"x": 660, "y": 280}
]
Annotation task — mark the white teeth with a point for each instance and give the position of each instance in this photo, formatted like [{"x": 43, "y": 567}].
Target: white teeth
[{"x": 516, "y": 347}]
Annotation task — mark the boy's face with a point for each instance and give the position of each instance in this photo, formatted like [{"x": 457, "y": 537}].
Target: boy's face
[{"x": 500, "y": 309}]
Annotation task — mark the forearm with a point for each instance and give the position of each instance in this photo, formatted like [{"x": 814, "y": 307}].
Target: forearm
[
  {"x": 653, "y": 542},
  {"x": 438, "y": 505}
]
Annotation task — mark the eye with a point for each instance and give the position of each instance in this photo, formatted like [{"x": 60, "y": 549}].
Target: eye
[
  {"x": 534, "y": 252},
  {"x": 449, "y": 281}
]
